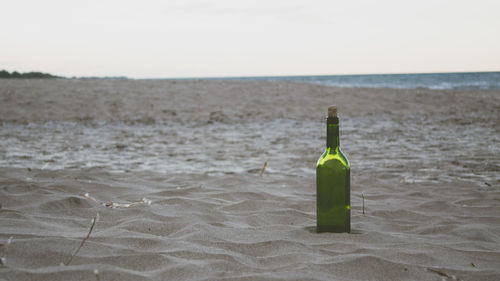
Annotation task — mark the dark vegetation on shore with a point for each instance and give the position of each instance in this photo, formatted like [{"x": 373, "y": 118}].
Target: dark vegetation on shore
[
  {"x": 35, "y": 74},
  {"x": 15, "y": 74}
]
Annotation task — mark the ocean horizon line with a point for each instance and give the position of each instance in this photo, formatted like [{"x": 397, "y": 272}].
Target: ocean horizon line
[
  {"x": 481, "y": 80},
  {"x": 293, "y": 75}
]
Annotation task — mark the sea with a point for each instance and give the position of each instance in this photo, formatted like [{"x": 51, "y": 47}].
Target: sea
[{"x": 434, "y": 81}]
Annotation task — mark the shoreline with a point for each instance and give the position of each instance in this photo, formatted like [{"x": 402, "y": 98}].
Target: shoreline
[{"x": 114, "y": 100}]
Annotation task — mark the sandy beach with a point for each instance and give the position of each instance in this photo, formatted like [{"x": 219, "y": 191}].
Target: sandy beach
[{"x": 173, "y": 170}]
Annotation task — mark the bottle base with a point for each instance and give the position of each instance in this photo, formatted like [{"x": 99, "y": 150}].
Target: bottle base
[{"x": 332, "y": 229}]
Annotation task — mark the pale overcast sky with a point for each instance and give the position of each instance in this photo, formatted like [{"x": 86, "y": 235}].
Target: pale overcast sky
[{"x": 202, "y": 38}]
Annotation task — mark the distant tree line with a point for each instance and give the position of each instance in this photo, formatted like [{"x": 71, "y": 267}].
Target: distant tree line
[{"x": 15, "y": 74}]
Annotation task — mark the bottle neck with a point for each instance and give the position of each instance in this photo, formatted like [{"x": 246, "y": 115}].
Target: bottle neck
[{"x": 332, "y": 133}]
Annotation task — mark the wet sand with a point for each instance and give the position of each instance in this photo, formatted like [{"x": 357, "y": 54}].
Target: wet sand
[{"x": 425, "y": 161}]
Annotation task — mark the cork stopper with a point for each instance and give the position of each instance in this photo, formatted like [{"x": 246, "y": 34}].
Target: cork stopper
[{"x": 332, "y": 111}]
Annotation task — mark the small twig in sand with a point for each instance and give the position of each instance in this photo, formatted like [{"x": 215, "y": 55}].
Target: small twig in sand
[
  {"x": 263, "y": 168},
  {"x": 86, "y": 195},
  {"x": 5, "y": 246},
  {"x": 112, "y": 204},
  {"x": 363, "y": 203},
  {"x": 84, "y": 239},
  {"x": 453, "y": 277}
]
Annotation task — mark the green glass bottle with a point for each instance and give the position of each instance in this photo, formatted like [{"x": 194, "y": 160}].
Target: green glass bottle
[{"x": 333, "y": 182}]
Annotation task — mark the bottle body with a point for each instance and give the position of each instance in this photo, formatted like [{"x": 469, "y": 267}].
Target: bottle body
[{"x": 333, "y": 182}]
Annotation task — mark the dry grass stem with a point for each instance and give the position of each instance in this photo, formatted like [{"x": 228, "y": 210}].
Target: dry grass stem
[
  {"x": 94, "y": 220},
  {"x": 112, "y": 204},
  {"x": 96, "y": 272},
  {"x": 5, "y": 246},
  {"x": 263, "y": 168},
  {"x": 363, "y": 203}
]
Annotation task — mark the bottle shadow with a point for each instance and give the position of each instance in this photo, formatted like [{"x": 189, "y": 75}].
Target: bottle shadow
[{"x": 312, "y": 229}]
